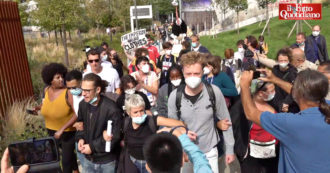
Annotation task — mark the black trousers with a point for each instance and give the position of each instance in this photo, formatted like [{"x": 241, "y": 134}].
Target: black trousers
[{"x": 67, "y": 144}]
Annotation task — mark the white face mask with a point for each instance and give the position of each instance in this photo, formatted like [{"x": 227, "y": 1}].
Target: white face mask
[
  {"x": 206, "y": 71},
  {"x": 283, "y": 64},
  {"x": 193, "y": 82},
  {"x": 316, "y": 33},
  {"x": 270, "y": 97},
  {"x": 145, "y": 68},
  {"x": 105, "y": 57},
  {"x": 168, "y": 52},
  {"x": 240, "y": 49},
  {"x": 130, "y": 91},
  {"x": 176, "y": 82}
]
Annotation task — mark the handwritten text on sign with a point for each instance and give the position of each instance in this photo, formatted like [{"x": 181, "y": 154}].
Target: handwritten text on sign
[
  {"x": 300, "y": 11},
  {"x": 134, "y": 39}
]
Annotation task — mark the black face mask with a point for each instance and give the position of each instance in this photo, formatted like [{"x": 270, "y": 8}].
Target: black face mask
[{"x": 115, "y": 56}]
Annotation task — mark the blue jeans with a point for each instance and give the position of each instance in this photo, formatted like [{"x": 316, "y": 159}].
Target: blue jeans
[
  {"x": 90, "y": 167},
  {"x": 140, "y": 164},
  {"x": 80, "y": 156}
]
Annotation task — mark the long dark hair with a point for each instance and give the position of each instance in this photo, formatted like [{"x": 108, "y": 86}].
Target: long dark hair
[
  {"x": 313, "y": 86},
  {"x": 170, "y": 85}
]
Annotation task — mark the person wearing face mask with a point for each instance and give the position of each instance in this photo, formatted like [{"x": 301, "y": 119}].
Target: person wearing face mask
[
  {"x": 165, "y": 62},
  {"x": 300, "y": 41},
  {"x": 255, "y": 158},
  {"x": 58, "y": 111},
  {"x": 234, "y": 65},
  {"x": 287, "y": 72},
  {"x": 148, "y": 81},
  {"x": 141, "y": 52},
  {"x": 197, "y": 112},
  {"x": 239, "y": 55},
  {"x": 95, "y": 112},
  {"x": 138, "y": 127},
  {"x": 116, "y": 62},
  {"x": 175, "y": 78},
  {"x": 153, "y": 51},
  {"x": 214, "y": 76},
  {"x": 73, "y": 84},
  {"x": 251, "y": 50},
  {"x": 128, "y": 87},
  {"x": 196, "y": 45},
  {"x": 316, "y": 46}
]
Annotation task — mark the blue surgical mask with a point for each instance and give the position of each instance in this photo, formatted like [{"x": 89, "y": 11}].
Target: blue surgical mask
[
  {"x": 105, "y": 57},
  {"x": 93, "y": 100},
  {"x": 139, "y": 120},
  {"x": 75, "y": 92},
  {"x": 194, "y": 45}
]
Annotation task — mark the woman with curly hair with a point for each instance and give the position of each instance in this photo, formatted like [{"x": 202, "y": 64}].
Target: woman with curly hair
[{"x": 57, "y": 109}]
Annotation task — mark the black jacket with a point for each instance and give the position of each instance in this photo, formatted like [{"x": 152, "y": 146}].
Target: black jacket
[
  {"x": 322, "y": 49},
  {"x": 95, "y": 124},
  {"x": 281, "y": 96}
]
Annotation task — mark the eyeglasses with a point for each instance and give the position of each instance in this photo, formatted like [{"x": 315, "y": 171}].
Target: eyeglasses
[
  {"x": 94, "y": 60},
  {"x": 87, "y": 90}
]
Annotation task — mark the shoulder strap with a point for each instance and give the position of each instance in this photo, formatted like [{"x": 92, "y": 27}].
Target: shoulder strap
[
  {"x": 285, "y": 75},
  {"x": 152, "y": 124},
  {"x": 211, "y": 96},
  {"x": 126, "y": 121},
  {"x": 179, "y": 92}
]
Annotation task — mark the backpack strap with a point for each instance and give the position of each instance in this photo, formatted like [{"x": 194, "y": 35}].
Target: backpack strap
[
  {"x": 179, "y": 92},
  {"x": 126, "y": 121},
  {"x": 211, "y": 96},
  {"x": 152, "y": 124}
]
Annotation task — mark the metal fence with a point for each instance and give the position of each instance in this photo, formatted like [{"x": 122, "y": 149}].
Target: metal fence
[{"x": 15, "y": 78}]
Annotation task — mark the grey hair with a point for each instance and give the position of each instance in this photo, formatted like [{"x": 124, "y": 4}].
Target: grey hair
[{"x": 133, "y": 101}]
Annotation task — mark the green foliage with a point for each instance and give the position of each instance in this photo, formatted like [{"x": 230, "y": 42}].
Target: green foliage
[
  {"x": 163, "y": 7},
  {"x": 264, "y": 3},
  {"x": 276, "y": 40},
  {"x": 238, "y": 5},
  {"x": 97, "y": 10},
  {"x": 22, "y": 7}
]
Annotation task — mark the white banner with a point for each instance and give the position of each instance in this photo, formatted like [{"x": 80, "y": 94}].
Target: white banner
[{"x": 134, "y": 39}]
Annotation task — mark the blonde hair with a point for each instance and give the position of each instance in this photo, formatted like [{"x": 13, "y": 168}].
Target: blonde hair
[
  {"x": 133, "y": 101},
  {"x": 191, "y": 58}
]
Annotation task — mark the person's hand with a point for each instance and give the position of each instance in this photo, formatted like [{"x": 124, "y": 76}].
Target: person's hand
[
  {"x": 6, "y": 168},
  {"x": 58, "y": 134},
  {"x": 86, "y": 149},
  {"x": 106, "y": 137},
  {"x": 81, "y": 145},
  {"x": 269, "y": 77},
  {"x": 246, "y": 79},
  {"x": 192, "y": 135},
  {"x": 79, "y": 126},
  {"x": 230, "y": 158},
  {"x": 224, "y": 124},
  {"x": 285, "y": 107}
]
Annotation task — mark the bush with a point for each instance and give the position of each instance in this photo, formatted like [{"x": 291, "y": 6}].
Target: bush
[{"x": 17, "y": 125}]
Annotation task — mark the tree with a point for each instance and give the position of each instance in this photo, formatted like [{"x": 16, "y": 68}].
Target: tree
[
  {"x": 58, "y": 14},
  {"x": 237, "y": 6},
  {"x": 223, "y": 5},
  {"x": 96, "y": 10},
  {"x": 265, "y": 4},
  {"x": 121, "y": 11}
]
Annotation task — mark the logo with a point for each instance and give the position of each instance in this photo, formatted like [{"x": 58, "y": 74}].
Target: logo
[{"x": 300, "y": 11}]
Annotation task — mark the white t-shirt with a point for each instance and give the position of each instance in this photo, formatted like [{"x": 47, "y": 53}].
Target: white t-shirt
[
  {"x": 111, "y": 76},
  {"x": 239, "y": 55},
  {"x": 76, "y": 101},
  {"x": 150, "y": 79}
]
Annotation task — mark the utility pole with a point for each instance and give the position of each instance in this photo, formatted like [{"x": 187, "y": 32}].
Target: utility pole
[{"x": 136, "y": 19}]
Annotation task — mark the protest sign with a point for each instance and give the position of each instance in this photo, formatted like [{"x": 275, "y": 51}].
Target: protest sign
[
  {"x": 300, "y": 11},
  {"x": 134, "y": 39}
]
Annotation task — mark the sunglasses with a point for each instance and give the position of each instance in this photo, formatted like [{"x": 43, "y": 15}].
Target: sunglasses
[
  {"x": 94, "y": 60},
  {"x": 70, "y": 88}
]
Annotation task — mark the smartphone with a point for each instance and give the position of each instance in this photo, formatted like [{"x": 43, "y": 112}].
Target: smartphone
[
  {"x": 256, "y": 74},
  {"x": 33, "y": 152}
]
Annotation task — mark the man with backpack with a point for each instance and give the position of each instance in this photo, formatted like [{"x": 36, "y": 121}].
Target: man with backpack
[{"x": 198, "y": 105}]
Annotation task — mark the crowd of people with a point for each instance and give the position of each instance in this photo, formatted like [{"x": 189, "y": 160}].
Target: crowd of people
[{"x": 181, "y": 112}]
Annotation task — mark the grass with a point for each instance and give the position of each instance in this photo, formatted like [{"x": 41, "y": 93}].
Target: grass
[{"x": 277, "y": 39}]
